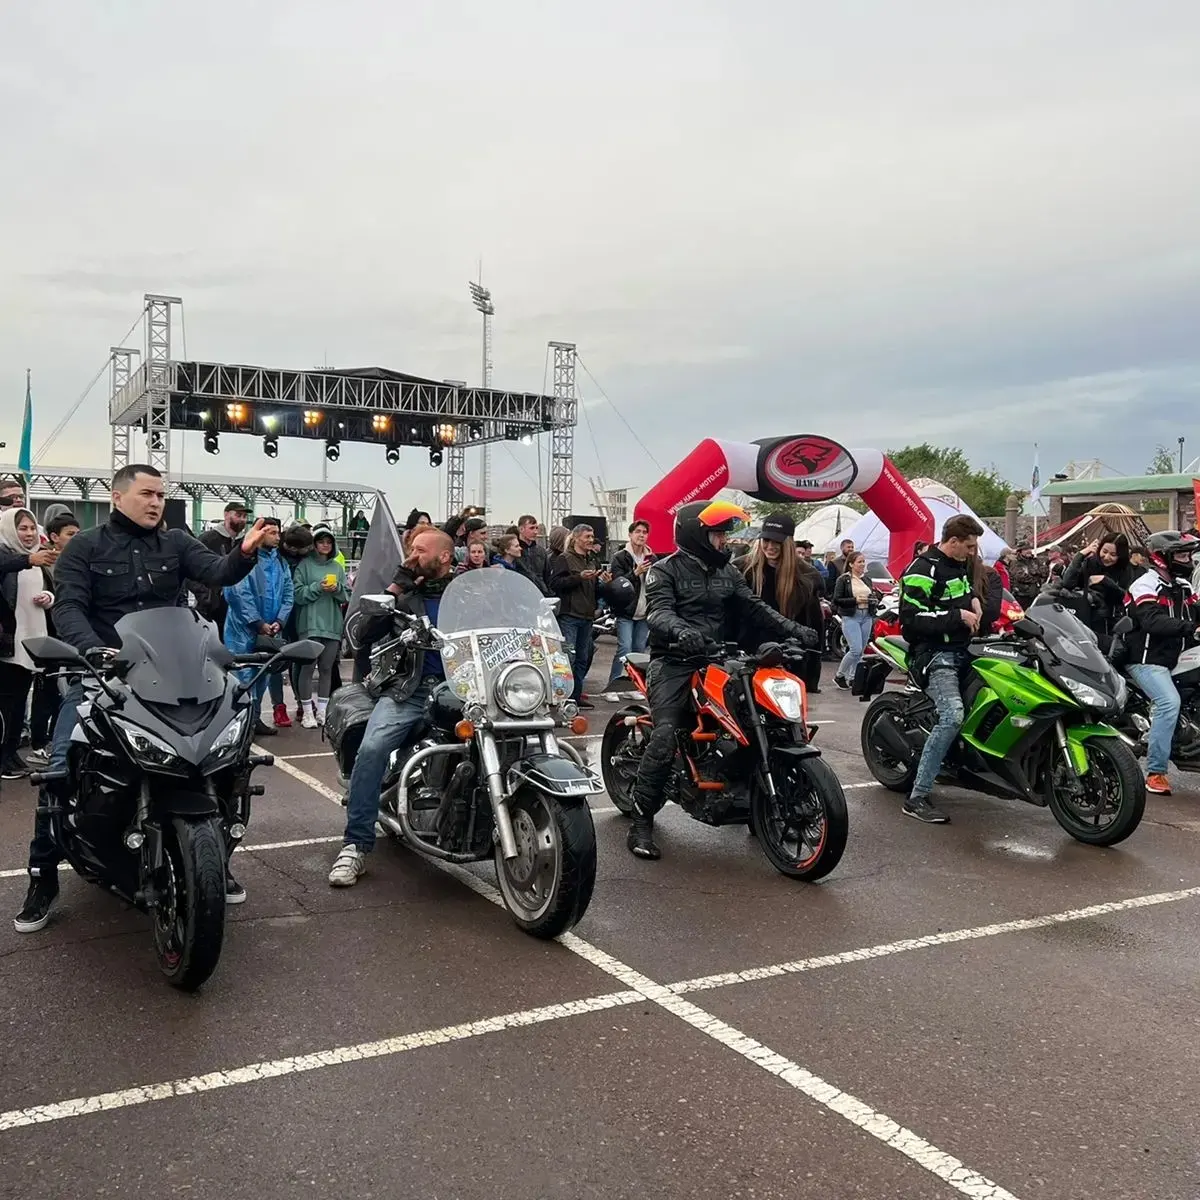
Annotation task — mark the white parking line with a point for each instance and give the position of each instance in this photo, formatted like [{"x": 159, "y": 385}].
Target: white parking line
[
  {"x": 315, "y": 754},
  {"x": 947, "y": 1168},
  {"x": 755, "y": 974},
  {"x": 253, "y": 1073}
]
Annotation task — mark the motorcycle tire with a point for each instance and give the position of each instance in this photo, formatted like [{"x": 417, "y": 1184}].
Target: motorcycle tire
[
  {"x": 1119, "y": 764},
  {"x": 770, "y": 825},
  {"x": 549, "y": 885},
  {"x": 194, "y": 882},
  {"x": 619, "y": 773},
  {"x": 887, "y": 770}
]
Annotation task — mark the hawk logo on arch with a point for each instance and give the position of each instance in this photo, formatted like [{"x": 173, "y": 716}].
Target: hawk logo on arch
[{"x": 806, "y": 468}]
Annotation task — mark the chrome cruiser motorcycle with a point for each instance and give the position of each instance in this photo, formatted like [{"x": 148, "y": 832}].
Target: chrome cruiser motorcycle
[{"x": 489, "y": 778}]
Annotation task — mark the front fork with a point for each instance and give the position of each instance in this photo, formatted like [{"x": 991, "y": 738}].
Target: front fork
[{"x": 489, "y": 756}]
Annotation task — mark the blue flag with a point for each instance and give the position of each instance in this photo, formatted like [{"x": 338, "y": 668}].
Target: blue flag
[{"x": 24, "y": 461}]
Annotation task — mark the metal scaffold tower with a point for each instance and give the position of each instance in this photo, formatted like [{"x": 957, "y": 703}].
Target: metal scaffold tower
[
  {"x": 482, "y": 299},
  {"x": 456, "y": 469},
  {"x": 158, "y": 381},
  {"x": 121, "y": 363},
  {"x": 562, "y": 437}
]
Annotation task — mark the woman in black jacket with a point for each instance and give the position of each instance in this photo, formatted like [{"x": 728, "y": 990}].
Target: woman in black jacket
[
  {"x": 1102, "y": 572},
  {"x": 855, "y": 600}
]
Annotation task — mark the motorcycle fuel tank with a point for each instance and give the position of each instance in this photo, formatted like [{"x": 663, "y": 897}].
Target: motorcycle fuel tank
[{"x": 1189, "y": 662}]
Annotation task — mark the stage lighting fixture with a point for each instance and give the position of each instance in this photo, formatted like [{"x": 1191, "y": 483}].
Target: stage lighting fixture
[
  {"x": 475, "y": 430},
  {"x": 435, "y": 457},
  {"x": 527, "y": 439},
  {"x": 236, "y": 413},
  {"x": 392, "y": 455},
  {"x": 446, "y": 434},
  {"x": 212, "y": 442},
  {"x": 271, "y": 445},
  {"x": 333, "y": 449},
  {"x": 380, "y": 423},
  {"x": 311, "y": 418}
]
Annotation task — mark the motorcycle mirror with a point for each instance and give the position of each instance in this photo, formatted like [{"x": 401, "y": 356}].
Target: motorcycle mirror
[
  {"x": 306, "y": 651},
  {"x": 1122, "y": 627},
  {"x": 1027, "y": 628},
  {"x": 53, "y": 652},
  {"x": 377, "y": 605}
]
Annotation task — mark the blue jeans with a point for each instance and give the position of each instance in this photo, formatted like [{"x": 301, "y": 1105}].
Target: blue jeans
[
  {"x": 858, "y": 634},
  {"x": 392, "y": 725},
  {"x": 632, "y": 638},
  {"x": 1160, "y": 690},
  {"x": 43, "y": 853},
  {"x": 944, "y": 690},
  {"x": 581, "y": 648}
]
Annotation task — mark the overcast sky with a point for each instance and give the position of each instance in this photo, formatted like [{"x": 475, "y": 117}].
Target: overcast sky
[{"x": 889, "y": 222}]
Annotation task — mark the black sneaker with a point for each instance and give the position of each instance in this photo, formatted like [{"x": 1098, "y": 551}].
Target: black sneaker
[
  {"x": 14, "y": 767},
  {"x": 34, "y": 916},
  {"x": 640, "y": 838},
  {"x": 262, "y": 729},
  {"x": 841, "y": 683},
  {"x": 921, "y": 808},
  {"x": 234, "y": 892}
]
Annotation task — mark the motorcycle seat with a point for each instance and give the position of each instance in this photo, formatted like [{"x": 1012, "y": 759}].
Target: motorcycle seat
[{"x": 641, "y": 661}]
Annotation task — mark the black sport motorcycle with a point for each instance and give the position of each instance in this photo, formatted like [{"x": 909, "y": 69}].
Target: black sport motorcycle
[
  {"x": 157, "y": 789},
  {"x": 489, "y": 777}
]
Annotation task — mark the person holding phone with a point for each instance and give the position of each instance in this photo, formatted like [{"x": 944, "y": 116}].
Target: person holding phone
[
  {"x": 574, "y": 576},
  {"x": 319, "y": 587}
]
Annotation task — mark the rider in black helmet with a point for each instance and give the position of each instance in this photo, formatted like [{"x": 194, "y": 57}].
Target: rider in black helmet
[
  {"x": 694, "y": 597},
  {"x": 1162, "y": 607}
]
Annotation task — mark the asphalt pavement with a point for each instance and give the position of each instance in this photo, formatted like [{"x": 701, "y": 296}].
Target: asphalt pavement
[{"x": 986, "y": 1009}]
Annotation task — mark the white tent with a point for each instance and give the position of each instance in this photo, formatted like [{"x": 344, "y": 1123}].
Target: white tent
[
  {"x": 872, "y": 537},
  {"x": 827, "y": 524}
]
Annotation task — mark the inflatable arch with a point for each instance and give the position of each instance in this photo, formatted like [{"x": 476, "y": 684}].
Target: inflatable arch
[{"x": 803, "y": 468}]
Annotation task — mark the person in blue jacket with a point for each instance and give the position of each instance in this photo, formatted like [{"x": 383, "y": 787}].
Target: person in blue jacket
[{"x": 258, "y": 608}]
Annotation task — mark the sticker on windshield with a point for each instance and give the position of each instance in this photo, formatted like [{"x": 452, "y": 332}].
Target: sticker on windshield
[
  {"x": 462, "y": 682},
  {"x": 495, "y": 651}
]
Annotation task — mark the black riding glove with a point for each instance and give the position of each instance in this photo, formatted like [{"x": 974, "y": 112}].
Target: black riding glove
[
  {"x": 807, "y": 637},
  {"x": 690, "y": 643}
]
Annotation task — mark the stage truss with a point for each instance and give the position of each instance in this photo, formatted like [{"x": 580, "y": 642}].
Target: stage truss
[{"x": 369, "y": 406}]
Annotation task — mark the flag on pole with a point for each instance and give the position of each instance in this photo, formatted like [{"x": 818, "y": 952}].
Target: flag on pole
[
  {"x": 1035, "y": 491},
  {"x": 26, "y": 455}
]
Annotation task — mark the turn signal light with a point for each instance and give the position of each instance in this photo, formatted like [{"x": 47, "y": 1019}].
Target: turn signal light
[
  {"x": 464, "y": 730},
  {"x": 579, "y": 725}
]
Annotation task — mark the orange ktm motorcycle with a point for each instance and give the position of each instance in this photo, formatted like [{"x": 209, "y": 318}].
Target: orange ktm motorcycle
[{"x": 750, "y": 758}]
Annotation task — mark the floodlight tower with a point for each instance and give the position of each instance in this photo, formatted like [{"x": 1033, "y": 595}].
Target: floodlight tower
[{"x": 482, "y": 299}]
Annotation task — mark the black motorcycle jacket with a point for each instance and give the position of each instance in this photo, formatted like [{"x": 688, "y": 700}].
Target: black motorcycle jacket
[
  {"x": 1164, "y": 619},
  {"x": 933, "y": 591},
  {"x": 684, "y": 595}
]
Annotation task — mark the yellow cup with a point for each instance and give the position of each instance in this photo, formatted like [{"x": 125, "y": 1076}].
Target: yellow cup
[{"x": 330, "y": 579}]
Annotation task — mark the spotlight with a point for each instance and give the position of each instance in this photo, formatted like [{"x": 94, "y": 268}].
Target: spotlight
[
  {"x": 333, "y": 449},
  {"x": 446, "y": 434},
  {"x": 475, "y": 430},
  {"x": 212, "y": 442},
  {"x": 380, "y": 423},
  {"x": 435, "y": 457},
  {"x": 392, "y": 455},
  {"x": 236, "y": 413},
  {"x": 311, "y": 418},
  {"x": 527, "y": 439},
  {"x": 271, "y": 445}
]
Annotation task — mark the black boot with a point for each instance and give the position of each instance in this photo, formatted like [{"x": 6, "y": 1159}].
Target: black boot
[
  {"x": 640, "y": 839},
  {"x": 35, "y": 914}
]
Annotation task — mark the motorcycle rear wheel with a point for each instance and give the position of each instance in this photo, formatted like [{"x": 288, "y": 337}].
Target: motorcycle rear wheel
[
  {"x": 1114, "y": 784},
  {"x": 895, "y": 775},
  {"x": 802, "y": 829},
  {"x": 189, "y": 919},
  {"x": 619, "y": 760},
  {"x": 547, "y": 888}
]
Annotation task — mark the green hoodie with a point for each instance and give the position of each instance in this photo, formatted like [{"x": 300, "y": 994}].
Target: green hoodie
[{"x": 318, "y": 612}]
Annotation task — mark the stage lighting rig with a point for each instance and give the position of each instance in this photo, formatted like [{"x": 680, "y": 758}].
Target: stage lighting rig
[
  {"x": 435, "y": 457},
  {"x": 392, "y": 455},
  {"x": 333, "y": 448},
  {"x": 271, "y": 445},
  {"x": 212, "y": 442}
]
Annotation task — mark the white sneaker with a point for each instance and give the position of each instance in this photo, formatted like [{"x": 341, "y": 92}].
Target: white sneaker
[
  {"x": 309, "y": 719},
  {"x": 348, "y": 868}
]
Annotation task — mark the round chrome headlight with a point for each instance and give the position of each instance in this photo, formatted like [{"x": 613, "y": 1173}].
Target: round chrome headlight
[{"x": 520, "y": 689}]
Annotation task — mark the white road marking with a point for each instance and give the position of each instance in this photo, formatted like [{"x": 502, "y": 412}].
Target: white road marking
[
  {"x": 20, "y": 872},
  {"x": 128, "y": 1097},
  {"x": 946, "y": 1167},
  {"x": 799, "y": 966},
  {"x": 315, "y": 754}
]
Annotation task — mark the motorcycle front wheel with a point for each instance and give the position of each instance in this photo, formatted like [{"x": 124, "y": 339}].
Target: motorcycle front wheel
[
  {"x": 548, "y": 886},
  {"x": 621, "y": 755},
  {"x": 189, "y": 916},
  {"x": 1113, "y": 797},
  {"x": 802, "y": 829}
]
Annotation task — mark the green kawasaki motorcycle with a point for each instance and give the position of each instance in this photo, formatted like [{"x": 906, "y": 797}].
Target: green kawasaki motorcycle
[{"x": 1036, "y": 706}]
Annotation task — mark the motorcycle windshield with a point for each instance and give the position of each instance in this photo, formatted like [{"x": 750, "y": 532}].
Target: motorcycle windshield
[
  {"x": 492, "y": 618},
  {"x": 1070, "y": 639},
  {"x": 171, "y": 656}
]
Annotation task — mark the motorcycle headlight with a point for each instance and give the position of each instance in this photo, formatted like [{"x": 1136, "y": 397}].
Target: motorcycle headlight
[
  {"x": 1086, "y": 694},
  {"x": 228, "y": 742},
  {"x": 520, "y": 689},
  {"x": 149, "y": 749},
  {"x": 786, "y": 695}
]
